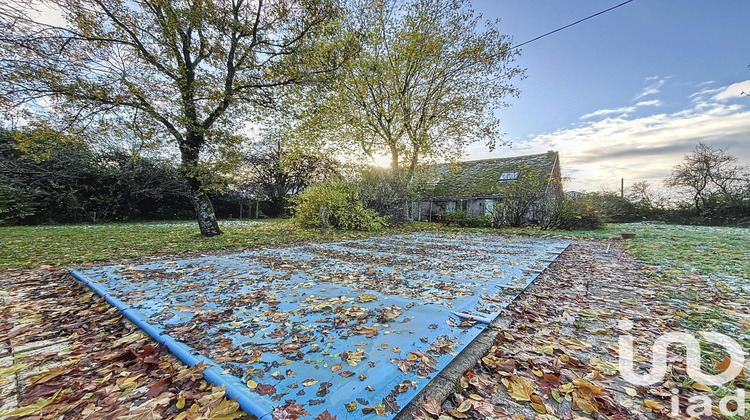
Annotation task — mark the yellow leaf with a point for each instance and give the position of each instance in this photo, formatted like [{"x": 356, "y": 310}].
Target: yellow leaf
[
  {"x": 366, "y": 297},
  {"x": 539, "y": 408},
  {"x": 630, "y": 391},
  {"x": 33, "y": 408},
  {"x": 585, "y": 404},
  {"x": 127, "y": 339},
  {"x": 227, "y": 409},
  {"x": 180, "y": 402},
  {"x": 11, "y": 370},
  {"x": 309, "y": 382},
  {"x": 464, "y": 406},
  {"x": 251, "y": 384},
  {"x": 520, "y": 389},
  {"x": 457, "y": 414},
  {"x": 654, "y": 405},
  {"x": 701, "y": 387},
  {"x": 603, "y": 366}
]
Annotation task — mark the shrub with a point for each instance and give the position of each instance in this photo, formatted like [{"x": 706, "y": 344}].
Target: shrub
[
  {"x": 575, "y": 213},
  {"x": 613, "y": 208},
  {"x": 14, "y": 205},
  {"x": 343, "y": 206},
  {"x": 463, "y": 218},
  {"x": 384, "y": 192},
  {"x": 522, "y": 197}
]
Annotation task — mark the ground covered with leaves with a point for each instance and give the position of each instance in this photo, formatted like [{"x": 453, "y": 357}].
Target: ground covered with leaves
[
  {"x": 65, "y": 353},
  {"x": 558, "y": 357}
]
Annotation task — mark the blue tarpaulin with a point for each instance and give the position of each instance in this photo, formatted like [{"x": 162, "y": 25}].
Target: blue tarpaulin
[{"x": 349, "y": 327}]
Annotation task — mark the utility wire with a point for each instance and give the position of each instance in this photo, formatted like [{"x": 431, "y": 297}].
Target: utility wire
[{"x": 568, "y": 26}]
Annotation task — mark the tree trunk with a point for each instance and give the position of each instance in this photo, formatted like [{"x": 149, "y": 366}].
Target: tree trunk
[
  {"x": 207, "y": 222},
  {"x": 394, "y": 159},
  {"x": 414, "y": 159}
]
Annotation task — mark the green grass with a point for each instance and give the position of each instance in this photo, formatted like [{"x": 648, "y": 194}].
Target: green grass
[
  {"x": 29, "y": 247},
  {"x": 65, "y": 245},
  {"x": 673, "y": 252},
  {"x": 684, "y": 249},
  {"x": 719, "y": 252}
]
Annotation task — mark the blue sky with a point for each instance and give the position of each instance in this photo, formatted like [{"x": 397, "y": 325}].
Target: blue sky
[{"x": 628, "y": 93}]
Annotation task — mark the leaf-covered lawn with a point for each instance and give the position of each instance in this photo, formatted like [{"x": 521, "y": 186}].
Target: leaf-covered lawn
[
  {"x": 38, "y": 246},
  {"x": 558, "y": 357},
  {"x": 712, "y": 250},
  {"x": 66, "y": 353}
]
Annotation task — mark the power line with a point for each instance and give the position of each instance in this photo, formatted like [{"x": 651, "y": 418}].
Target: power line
[{"x": 569, "y": 25}]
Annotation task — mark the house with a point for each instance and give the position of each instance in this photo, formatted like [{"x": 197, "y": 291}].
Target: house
[{"x": 481, "y": 187}]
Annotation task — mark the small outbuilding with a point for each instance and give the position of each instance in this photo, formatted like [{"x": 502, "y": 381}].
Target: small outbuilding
[{"x": 483, "y": 187}]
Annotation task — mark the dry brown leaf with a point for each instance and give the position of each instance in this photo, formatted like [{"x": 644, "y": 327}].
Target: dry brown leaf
[
  {"x": 519, "y": 388},
  {"x": 431, "y": 407}
]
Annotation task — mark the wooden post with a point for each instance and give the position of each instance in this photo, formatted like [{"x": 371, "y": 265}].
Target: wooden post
[
  {"x": 622, "y": 187},
  {"x": 430, "y": 218}
]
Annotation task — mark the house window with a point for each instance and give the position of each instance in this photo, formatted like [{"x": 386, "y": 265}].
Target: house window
[{"x": 508, "y": 176}]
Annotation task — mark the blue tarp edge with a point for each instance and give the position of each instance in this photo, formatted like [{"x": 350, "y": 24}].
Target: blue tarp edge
[{"x": 211, "y": 374}]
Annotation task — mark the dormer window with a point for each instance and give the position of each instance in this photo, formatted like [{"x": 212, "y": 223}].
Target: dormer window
[{"x": 508, "y": 176}]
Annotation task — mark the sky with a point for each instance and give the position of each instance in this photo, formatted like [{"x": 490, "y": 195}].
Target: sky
[
  {"x": 629, "y": 93},
  {"x": 626, "y": 94}
]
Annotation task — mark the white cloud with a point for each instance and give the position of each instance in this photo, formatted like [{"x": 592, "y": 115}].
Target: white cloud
[
  {"x": 622, "y": 111},
  {"x": 644, "y": 148},
  {"x": 600, "y": 112},
  {"x": 734, "y": 90},
  {"x": 704, "y": 93},
  {"x": 653, "y": 102},
  {"x": 49, "y": 14},
  {"x": 600, "y": 152},
  {"x": 653, "y": 88}
]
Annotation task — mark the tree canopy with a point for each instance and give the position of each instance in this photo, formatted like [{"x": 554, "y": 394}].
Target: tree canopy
[
  {"x": 427, "y": 82},
  {"x": 278, "y": 170},
  {"x": 712, "y": 178},
  {"x": 191, "y": 72}
]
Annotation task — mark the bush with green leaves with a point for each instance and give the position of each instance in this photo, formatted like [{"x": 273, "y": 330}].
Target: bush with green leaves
[
  {"x": 14, "y": 205},
  {"x": 574, "y": 214},
  {"x": 344, "y": 208},
  {"x": 463, "y": 218}
]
